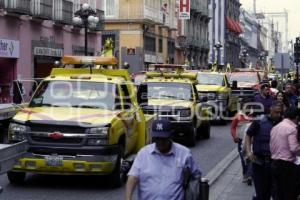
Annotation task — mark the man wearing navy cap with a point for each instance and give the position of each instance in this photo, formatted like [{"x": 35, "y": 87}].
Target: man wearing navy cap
[{"x": 158, "y": 167}]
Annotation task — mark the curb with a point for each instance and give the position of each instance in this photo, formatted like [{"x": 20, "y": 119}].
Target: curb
[{"x": 218, "y": 170}]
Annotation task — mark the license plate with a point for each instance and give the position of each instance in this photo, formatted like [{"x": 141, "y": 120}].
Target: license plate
[{"x": 54, "y": 161}]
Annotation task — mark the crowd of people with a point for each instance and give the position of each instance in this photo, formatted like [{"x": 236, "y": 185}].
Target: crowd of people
[{"x": 268, "y": 141}]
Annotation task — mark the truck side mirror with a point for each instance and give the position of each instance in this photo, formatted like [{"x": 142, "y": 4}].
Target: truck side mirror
[
  {"x": 234, "y": 84},
  {"x": 142, "y": 95}
]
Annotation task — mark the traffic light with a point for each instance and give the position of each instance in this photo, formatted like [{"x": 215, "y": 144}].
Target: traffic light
[{"x": 297, "y": 51}]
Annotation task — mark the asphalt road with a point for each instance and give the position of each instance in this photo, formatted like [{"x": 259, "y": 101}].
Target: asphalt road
[{"x": 41, "y": 187}]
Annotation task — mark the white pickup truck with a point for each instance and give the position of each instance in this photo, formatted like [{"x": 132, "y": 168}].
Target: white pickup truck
[{"x": 7, "y": 111}]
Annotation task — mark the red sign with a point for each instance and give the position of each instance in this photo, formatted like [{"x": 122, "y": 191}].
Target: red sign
[
  {"x": 56, "y": 135},
  {"x": 184, "y": 9}
]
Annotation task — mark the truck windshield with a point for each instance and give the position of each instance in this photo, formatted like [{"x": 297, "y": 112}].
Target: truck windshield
[
  {"x": 180, "y": 91},
  {"x": 75, "y": 94},
  {"x": 210, "y": 79},
  {"x": 247, "y": 78}
]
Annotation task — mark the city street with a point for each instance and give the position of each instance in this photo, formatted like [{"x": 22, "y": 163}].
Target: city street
[{"x": 207, "y": 153}]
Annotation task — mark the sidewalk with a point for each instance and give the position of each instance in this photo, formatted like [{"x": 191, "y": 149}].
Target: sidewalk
[{"x": 229, "y": 185}]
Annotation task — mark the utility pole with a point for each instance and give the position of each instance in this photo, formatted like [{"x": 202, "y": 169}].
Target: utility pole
[{"x": 254, "y": 7}]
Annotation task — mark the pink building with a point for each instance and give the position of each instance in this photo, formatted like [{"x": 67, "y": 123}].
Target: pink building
[{"x": 35, "y": 33}]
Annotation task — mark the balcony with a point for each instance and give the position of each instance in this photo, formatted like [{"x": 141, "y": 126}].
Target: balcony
[
  {"x": 21, "y": 7},
  {"x": 152, "y": 14},
  {"x": 63, "y": 12},
  {"x": 204, "y": 10},
  {"x": 138, "y": 13},
  {"x": 42, "y": 9},
  {"x": 194, "y": 5}
]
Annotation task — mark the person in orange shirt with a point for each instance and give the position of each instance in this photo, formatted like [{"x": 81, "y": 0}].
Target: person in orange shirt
[{"x": 239, "y": 125}]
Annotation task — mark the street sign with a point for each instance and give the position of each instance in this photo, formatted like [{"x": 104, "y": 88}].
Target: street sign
[
  {"x": 184, "y": 9},
  {"x": 282, "y": 61}
]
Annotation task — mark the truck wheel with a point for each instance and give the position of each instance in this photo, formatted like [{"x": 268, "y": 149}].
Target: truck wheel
[
  {"x": 116, "y": 177},
  {"x": 205, "y": 128},
  {"x": 191, "y": 137},
  {"x": 16, "y": 178}
]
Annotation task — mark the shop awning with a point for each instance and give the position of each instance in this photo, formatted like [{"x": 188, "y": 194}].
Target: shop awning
[
  {"x": 233, "y": 26},
  {"x": 238, "y": 27},
  {"x": 230, "y": 24}
]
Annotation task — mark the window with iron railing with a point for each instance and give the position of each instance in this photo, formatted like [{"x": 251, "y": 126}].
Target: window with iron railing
[
  {"x": 63, "y": 11},
  {"x": 42, "y": 8},
  {"x": 171, "y": 47},
  {"x": 150, "y": 44},
  {"x": 160, "y": 45},
  {"x": 18, "y": 6}
]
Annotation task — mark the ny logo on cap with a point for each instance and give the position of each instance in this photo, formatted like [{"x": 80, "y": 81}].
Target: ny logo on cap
[{"x": 159, "y": 127}]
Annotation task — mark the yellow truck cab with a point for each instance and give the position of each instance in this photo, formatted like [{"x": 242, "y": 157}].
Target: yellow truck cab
[
  {"x": 80, "y": 122},
  {"x": 173, "y": 95},
  {"x": 217, "y": 89}
]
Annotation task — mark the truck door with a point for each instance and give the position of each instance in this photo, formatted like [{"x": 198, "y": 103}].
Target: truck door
[{"x": 129, "y": 118}]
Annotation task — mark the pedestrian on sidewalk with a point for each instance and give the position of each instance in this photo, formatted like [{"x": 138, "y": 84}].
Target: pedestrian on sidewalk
[
  {"x": 284, "y": 149},
  {"x": 158, "y": 168},
  {"x": 292, "y": 98},
  {"x": 281, "y": 96},
  {"x": 257, "y": 143},
  {"x": 239, "y": 126},
  {"x": 264, "y": 97}
]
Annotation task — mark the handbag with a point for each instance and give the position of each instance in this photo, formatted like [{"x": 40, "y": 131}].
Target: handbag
[{"x": 194, "y": 188}]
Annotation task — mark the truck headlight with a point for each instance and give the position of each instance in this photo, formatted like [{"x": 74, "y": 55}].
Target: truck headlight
[
  {"x": 185, "y": 113},
  {"x": 101, "y": 132},
  {"x": 222, "y": 96},
  {"x": 98, "y": 136},
  {"x": 17, "y": 132}
]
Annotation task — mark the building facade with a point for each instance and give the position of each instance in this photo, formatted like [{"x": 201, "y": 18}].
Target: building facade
[
  {"x": 224, "y": 31},
  {"x": 192, "y": 44},
  {"x": 35, "y": 33},
  {"x": 250, "y": 38},
  {"x": 143, "y": 31}
]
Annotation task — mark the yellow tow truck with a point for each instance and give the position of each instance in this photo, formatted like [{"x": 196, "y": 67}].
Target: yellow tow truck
[
  {"x": 80, "y": 121},
  {"x": 217, "y": 89},
  {"x": 172, "y": 94}
]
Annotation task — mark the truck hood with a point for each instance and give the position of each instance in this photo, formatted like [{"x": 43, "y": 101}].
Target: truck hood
[
  {"x": 76, "y": 115},
  {"x": 170, "y": 103},
  {"x": 209, "y": 88},
  {"x": 246, "y": 85}
]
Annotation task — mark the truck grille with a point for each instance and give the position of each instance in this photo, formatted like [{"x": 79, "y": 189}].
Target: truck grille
[
  {"x": 59, "y": 128},
  {"x": 209, "y": 95},
  {"x": 243, "y": 92},
  {"x": 39, "y": 134},
  {"x": 56, "y": 141}
]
